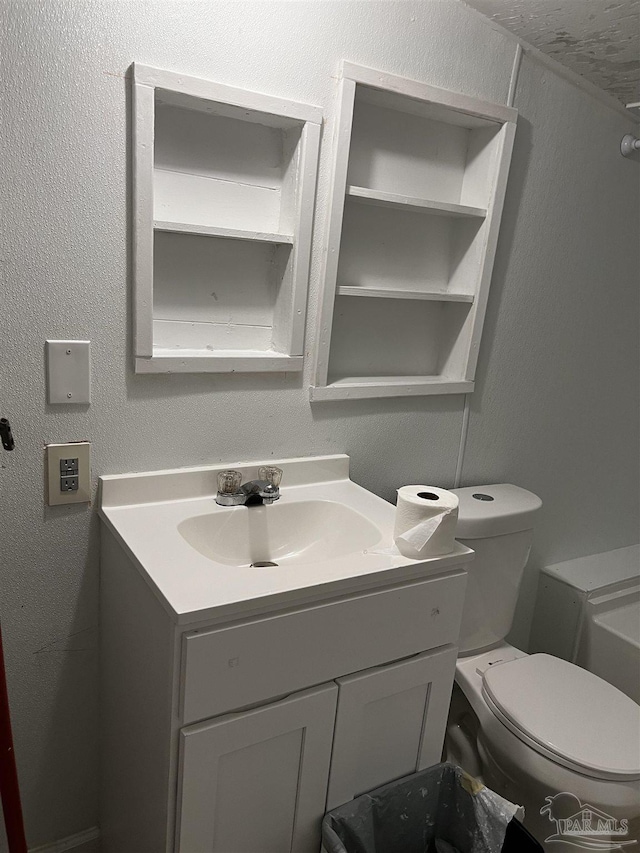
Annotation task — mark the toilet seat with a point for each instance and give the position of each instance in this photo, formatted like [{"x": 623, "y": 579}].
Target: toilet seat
[{"x": 567, "y": 714}]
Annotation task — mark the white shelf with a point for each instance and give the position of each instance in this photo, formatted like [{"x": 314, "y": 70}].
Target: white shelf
[
  {"x": 223, "y": 187},
  {"x": 418, "y": 184},
  {"x": 222, "y": 361},
  {"x": 365, "y": 195},
  {"x": 366, "y": 387},
  {"x": 389, "y": 293},
  {"x": 215, "y": 231}
]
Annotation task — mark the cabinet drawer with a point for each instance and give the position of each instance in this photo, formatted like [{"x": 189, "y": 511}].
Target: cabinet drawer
[{"x": 246, "y": 663}]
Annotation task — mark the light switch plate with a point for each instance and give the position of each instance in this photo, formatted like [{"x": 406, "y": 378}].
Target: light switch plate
[
  {"x": 69, "y": 371},
  {"x": 80, "y": 450}
]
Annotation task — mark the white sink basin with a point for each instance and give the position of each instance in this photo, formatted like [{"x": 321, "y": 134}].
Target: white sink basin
[
  {"x": 289, "y": 534},
  {"x": 326, "y": 535}
]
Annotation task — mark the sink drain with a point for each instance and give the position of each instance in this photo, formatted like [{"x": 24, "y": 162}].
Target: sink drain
[{"x": 263, "y": 564}]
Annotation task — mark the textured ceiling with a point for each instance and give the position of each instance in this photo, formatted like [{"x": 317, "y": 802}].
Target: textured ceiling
[{"x": 598, "y": 39}]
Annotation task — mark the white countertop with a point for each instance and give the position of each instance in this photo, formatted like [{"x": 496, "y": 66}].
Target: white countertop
[{"x": 143, "y": 511}]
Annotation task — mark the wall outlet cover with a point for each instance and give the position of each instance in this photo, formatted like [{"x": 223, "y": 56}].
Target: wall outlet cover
[{"x": 58, "y": 485}]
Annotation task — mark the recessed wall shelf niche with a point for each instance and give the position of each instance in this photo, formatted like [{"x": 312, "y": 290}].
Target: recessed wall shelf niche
[
  {"x": 419, "y": 177},
  {"x": 224, "y": 184}
]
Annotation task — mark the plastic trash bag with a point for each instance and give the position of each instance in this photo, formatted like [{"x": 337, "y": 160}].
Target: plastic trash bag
[{"x": 439, "y": 810}]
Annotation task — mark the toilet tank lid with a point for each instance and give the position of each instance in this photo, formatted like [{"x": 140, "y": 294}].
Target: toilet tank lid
[{"x": 494, "y": 510}]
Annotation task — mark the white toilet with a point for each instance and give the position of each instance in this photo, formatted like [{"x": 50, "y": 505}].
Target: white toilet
[{"x": 540, "y": 731}]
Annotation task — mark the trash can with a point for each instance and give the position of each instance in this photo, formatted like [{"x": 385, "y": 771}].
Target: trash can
[{"x": 438, "y": 810}]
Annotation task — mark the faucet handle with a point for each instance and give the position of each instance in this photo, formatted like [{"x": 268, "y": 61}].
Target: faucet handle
[
  {"x": 229, "y": 482},
  {"x": 270, "y": 473}
]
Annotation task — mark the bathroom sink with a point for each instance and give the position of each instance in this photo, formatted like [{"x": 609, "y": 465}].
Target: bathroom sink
[
  {"x": 290, "y": 534},
  {"x": 326, "y": 535}
]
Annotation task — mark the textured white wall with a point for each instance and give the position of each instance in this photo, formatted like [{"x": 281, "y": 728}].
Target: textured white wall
[
  {"x": 558, "y": 363},
  {"x": 556, "y": 407}
]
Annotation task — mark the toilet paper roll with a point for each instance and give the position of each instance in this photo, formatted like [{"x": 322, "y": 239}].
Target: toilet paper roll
[{"x": 426, "y": 519}]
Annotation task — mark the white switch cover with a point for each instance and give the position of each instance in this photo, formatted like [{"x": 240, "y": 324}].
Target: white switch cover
[
  {"x": 69, "y": 371},
  {"x": 79, "y": 454}
]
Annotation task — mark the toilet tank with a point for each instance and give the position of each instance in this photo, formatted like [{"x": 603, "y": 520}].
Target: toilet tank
[{"x": 497, "y": 523}]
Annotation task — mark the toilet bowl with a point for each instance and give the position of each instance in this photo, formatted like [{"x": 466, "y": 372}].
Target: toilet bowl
[
  {"x": 544, "y": 727},
  {"x": 539, "y": 730}
]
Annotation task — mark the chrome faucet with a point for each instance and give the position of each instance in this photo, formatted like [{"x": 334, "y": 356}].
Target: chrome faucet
[{"x": 264, "y": 490}]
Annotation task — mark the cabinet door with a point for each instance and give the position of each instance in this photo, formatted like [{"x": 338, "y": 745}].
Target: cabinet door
[
  {"x": 391, "y": 722},
  {"x": 257, "y": 780}
]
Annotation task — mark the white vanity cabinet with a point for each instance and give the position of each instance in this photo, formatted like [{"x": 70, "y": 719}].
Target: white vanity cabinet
[
  {"x": 237, "y": 738},
  {"x": 231, "y": 724},
  {"x": 261, "y": 780}
]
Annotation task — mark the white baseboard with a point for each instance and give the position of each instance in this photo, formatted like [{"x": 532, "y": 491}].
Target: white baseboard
[{"x": 87, "y": 841}]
